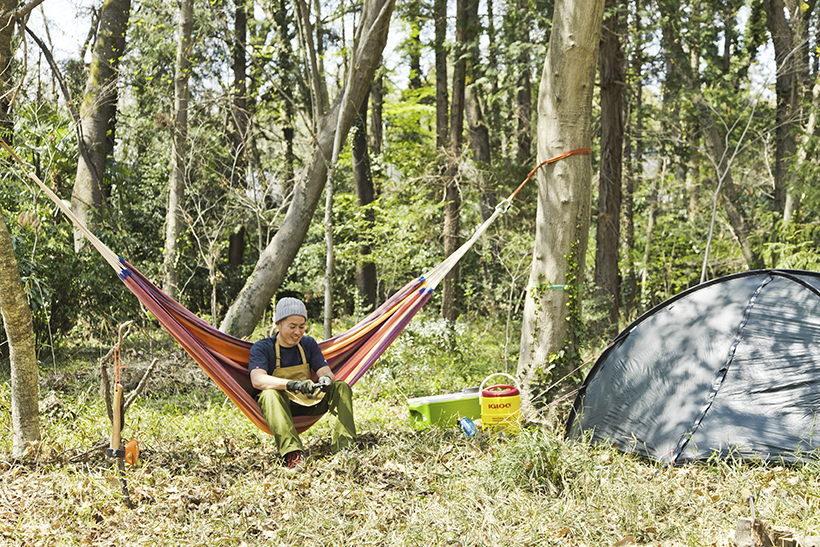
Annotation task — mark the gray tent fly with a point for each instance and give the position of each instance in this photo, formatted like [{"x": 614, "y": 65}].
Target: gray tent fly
[{"x": 728, "y": 368}]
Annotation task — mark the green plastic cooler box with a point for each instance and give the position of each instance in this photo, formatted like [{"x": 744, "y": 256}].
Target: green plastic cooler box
[{"x": 446, "y": 409}]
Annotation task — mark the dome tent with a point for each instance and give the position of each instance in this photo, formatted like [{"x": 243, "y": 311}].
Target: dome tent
[{"x": 729, "y": 367}]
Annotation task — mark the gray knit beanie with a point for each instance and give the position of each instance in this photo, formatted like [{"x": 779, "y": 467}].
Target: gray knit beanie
[{"x": 289, "y": 306}]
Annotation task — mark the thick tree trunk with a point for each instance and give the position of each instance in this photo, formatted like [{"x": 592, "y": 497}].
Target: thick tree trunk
[
  {"x": 612, "y": 77},
  {"x": 365, "y": 192},
  {"x": 14, "y": 306},
  {"x": 174, "y": 222},
  {"x": 270, "y": 270},
  {"x": 564, "y": 193},
  {"x": 98, "y": 112},
  {"x": 25, "y": 413}
]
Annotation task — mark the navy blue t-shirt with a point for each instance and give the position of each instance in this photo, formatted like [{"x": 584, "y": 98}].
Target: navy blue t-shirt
[{"x": 263, "y": 355}]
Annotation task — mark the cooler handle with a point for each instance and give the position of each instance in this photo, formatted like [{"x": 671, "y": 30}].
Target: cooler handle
[{"x": 481, "y": 388}]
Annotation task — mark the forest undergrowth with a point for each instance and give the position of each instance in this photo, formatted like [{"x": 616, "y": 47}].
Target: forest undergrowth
[{"x": 207, "y": 476}]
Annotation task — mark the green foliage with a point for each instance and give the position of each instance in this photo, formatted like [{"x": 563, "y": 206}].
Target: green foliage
[{"x": 432, "y": 356}]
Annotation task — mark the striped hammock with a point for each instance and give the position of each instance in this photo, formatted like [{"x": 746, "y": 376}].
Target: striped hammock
[{"x": 225, "y": 358}]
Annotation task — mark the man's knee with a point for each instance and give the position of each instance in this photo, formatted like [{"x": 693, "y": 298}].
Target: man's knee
[
  {"x": 341, "y": 388},
  {"x": 272, "y": 398}
]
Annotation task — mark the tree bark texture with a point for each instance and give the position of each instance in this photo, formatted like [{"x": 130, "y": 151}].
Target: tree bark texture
[
  {"x": 376, "y": 132},
  {"x": 174, "y": 222},
  {"x": 452, "y": 194},
  {"x": 270, "y": 270},
  {"x": 25, "y": 412},
  {"x": 563, "y": 213},
  {"x": 365, "y": 192},
  {"x": 442, "y": 106},
  {"x": 789, "y": 33},
  {"x": 7, "y": 27},
  {"x": 524, "y": 95},
  {"x": 286, "y": 85},
  {"x": 241, "y": 122},
  {"x": 607, "y": 239},
  {"x": 98, "y": 111}
]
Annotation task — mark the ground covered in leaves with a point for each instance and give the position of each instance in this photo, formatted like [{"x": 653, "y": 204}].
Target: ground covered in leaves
[{"x": 206, "y": 476}]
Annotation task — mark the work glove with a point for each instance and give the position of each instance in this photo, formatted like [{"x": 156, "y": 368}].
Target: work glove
[
  {"x": 324, "y": 383},
  {"x": 304, "y": 386}
]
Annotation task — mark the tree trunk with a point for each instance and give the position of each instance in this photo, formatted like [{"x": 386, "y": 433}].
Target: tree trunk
[
  {"x": 551, "y": 318},
  {"x": 452, "y": 195},
  {"x": 442, "y": 106},
  {"x": 365, "y": 192},
  {"x": 241, "y": 122},
  {"x": 99, "y": 109},
  {"x": 612, "y": 77},
  {"x": 524, "y": 96},
  {"x": 174, "y": 222},
  {"x": 14, "y": 306},
  {"x": 286, "y": 90},
  {"x": 376, "y": 123},
  {"x": 25, "y": 413},
  {"x": 270, "y": 270},
  {"x": 634, "y": 176},
  {"x": 790, "y": 38},
  {"x": 7, "y": 26}
]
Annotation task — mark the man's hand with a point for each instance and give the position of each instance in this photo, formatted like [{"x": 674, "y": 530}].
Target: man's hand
[
  {"x": 324, "y": 383},
  {"x": 304, "y": 386}
]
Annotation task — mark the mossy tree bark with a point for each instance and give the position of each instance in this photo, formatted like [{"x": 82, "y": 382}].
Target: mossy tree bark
[
  {"x": 25, "y": 413},
  {"x": 98, "y": 111}
]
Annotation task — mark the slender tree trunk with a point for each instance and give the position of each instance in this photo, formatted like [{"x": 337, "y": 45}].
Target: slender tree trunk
[
  {"x": 241, "y": 122},
  {"x": 174, "y": 222},
  {"x": 790, "y": 38},
  {"x": 716, "y": 147},
  {"x": 788, "y": 24},
  {"x": 365, "y": 192},
  {"x": 651, "y": 215},
  {"x": 564, "y": 192},
  {"x": 270, "y": 270},
  {"x": 98, "y": 111},
  {"x": 414, "y": 19},
  {"x": 612, "y": 77},
  {"x": 442, "y": 100},
  {"x": 25, "y": 412},
  {"x": 286, "y": 89},
  {"x": 376, "y": 123},
  {"x": 452, "y": 196},
  {"x": 480, "y": 144},
  {"x": 524, "y": 95},
  {"x": 634, "y": 177}
]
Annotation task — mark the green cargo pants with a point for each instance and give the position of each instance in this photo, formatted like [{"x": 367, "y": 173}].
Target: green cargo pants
[{"x": 279, "y": 412}]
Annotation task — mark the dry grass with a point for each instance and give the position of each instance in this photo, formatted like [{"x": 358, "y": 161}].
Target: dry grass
[{"x": 208, "y": 477}]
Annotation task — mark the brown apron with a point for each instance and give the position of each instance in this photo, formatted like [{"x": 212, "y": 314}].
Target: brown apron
[{"x": 299, "y": 373}]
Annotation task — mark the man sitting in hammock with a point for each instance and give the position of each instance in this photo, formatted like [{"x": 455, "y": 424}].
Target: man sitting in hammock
[{"x": 280, "y": 367}]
